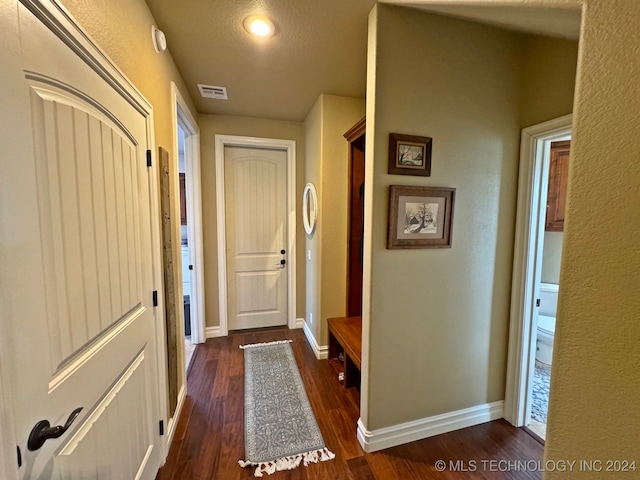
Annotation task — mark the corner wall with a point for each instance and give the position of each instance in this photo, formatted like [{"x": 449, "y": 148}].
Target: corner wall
[
  {"x": 595, "y": 380},
  {"x": 327, "y": 167},
  {"x": 438, "y": 318}
]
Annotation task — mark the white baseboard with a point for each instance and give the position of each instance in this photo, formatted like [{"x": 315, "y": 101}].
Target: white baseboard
[
  {"x": 213, "y": 332},
  {"x": 321, "y": 352},
  {"x": 173, "y": 421},
  {"x": 299, "y": 322},
  {"x": 428, "y": 427}
]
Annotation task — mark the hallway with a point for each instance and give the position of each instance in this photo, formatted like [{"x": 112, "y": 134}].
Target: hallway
[{"x": 210, "y": 435}]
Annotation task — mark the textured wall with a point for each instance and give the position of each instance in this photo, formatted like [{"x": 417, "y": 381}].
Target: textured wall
[
  {"x": 438, "y": 318},
  {"x": 595, "y": 381},
  {"x": 549, "y": 75},
  {"x": 210, "y": 126}
]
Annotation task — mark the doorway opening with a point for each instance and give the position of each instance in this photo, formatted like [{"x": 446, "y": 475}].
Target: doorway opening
[
  {"x": 187, "y": 267},
  {"x": 192, "y": 266},
  {"x": 538, "y": 247},
  {"x": 355, "y": 217}
]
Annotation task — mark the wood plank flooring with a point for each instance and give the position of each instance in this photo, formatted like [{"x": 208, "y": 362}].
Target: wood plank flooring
[{"x": 209, "y": 438}]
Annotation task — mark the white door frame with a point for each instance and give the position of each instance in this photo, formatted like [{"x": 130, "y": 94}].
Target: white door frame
[
  {"x": 288, "y": 146},
  {"x": 527, "y": 258},
  {"x": 57, "y": 18},
  {"x": 182, "y": 115}
]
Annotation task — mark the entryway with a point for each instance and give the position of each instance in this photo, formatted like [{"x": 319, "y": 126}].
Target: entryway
[
  {"x": 255, "y": 181},
  {"x": 192, "y": 270},
  {"x": 538, "y": 249}
]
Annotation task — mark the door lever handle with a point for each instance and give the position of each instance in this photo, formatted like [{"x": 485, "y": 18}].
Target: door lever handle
[{"x": 43, "y": 431}]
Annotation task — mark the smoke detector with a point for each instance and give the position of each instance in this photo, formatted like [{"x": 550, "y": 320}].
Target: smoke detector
[{"x": 209, "y": 91}]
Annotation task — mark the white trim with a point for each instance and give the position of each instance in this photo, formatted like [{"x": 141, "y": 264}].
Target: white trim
[
  {"x": 549, "y": 287},
  {"x": 213, "y": 332},
  {"x": 173, "y": 421},
  {"x": 181, "y": 113},
  {"x": 527, "y": 256},
  {"x": 321, "y": 351},
  {"x": 289, "y": 146},
  {"x": 299, "y": 322},
  {"x": 372, "y": 441}
]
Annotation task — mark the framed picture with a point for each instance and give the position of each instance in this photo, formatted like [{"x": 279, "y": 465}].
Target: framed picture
[
  {"x": 409, "y": 155},
  {"x": 420, "y": 217}
]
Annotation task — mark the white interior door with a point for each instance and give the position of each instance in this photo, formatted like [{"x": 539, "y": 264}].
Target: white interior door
[
  {"x": 79, "y": 282},
  {"x": 256, "y": 226}
]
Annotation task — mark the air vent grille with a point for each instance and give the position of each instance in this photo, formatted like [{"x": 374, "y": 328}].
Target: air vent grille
[{"x": 209, "y": 91}]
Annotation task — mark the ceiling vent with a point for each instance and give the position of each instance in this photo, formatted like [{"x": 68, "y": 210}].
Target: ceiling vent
[{"x": 209, "y": 91}]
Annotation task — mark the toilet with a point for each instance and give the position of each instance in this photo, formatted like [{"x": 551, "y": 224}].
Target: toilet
[{"x": 546, "y": 322}]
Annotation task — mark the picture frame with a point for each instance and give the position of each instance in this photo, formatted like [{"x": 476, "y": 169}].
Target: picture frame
[
  {"x": 409, "y": 155},
  {"x": 420, "y": 217}
]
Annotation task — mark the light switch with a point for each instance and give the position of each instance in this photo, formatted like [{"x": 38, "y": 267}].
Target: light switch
[{"x": 308, "y": 255}]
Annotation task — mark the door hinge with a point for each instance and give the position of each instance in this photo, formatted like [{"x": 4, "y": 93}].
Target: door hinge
[
  {"x": 537, "y": 302},
  {"x": 148, "y": 158},
  {"x": 155, "y": 298},
  {"x": 19, "y": 456},
  {"x": 161, "y": 427}
]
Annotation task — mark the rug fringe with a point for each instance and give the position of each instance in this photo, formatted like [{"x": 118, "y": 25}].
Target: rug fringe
[
  {"x": 289, "y": 463},
  {"x": 265, "y": 343}
]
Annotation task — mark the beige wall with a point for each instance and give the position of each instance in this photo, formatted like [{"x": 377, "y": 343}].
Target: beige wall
[
  {"x": 122, "y": 29},
  {"x": 210, "y": 126},
  {"x": 328, "y": 169},
  {"x": 549, "y": 73},
  {"x": 551, "y": 256},
  {"x": 548, "y": 79},
  {"x": 599, "y": 305},
  {"x": 595, "y": 381},
  {"x": 313, "y": 173},
  {"x": 438, "y": 318}
]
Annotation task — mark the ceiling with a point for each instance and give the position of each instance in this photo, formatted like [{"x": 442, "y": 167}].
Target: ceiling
[
  {"x": 319, "y": 47},
  {"x": 553, "y": 22}
]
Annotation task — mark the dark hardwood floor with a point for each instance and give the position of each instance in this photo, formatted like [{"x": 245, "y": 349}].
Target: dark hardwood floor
[{"x": 209, "y": 438}]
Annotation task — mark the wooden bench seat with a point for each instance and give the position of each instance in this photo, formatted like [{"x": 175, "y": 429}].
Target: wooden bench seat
[{"x": 345, "y": 337}]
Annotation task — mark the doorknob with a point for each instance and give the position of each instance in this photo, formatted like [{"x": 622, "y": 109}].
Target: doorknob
[
  {"x": 43, "y": 431},
  {"x": 283, "y": 261}
]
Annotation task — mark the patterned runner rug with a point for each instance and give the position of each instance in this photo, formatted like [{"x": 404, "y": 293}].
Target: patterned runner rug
[{"x": 281, "y": 431}]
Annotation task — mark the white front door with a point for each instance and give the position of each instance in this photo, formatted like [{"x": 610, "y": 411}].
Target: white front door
[
  {"x": 78, "y": 282},
  {"x": 256, "y": 226}
]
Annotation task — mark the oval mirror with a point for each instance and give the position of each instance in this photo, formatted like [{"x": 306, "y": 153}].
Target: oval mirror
[{"x": 309, "y": 208}]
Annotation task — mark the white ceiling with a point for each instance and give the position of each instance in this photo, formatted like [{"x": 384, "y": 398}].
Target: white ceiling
[{"x": 319, "y": 47}]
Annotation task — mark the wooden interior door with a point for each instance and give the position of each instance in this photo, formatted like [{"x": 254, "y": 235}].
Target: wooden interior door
[
  {"x": 256, "y": 225},
  {"x": 356, "y": 138},
  {"x": 77, "y": 288}
]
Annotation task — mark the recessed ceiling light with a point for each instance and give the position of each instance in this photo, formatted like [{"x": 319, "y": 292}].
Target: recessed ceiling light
[{"x": 259, "y": 26}]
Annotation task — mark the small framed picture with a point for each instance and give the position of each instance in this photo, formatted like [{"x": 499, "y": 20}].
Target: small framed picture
[
  {"x": 420, "y": 217},
  {"x": 409, "y": 155}
]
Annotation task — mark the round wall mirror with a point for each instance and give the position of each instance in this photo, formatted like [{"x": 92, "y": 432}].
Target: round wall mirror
[{"x": 309, "y": 208}]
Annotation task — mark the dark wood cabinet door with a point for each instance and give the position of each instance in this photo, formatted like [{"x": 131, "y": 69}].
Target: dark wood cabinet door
[{"x": 557, "y": 192}]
